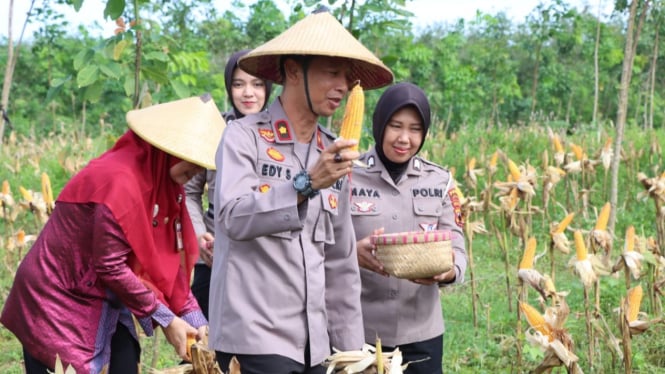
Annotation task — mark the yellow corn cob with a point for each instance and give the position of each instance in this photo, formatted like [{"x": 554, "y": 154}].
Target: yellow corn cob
[
  {"x": 535, "y": 319},
  {"x": 557, "y": 144},
  {"x": 5, "y": 187},
  {"x": 580, "y": 247},
  {"x": 603, "y": 217},
  {"x": 472, "y": 164},
  {"x": 494, "y": 160},
  {"x": 549, "y": 285},
  {"x": 379, "y": 356},
  {"x": 352, "y": 124},
  {"x": 608, "y": 144},
  {"x": 577, "y": 150},
  {"x": 561, "y": 227},
  {"x": 529, "y": 254},
  {"x": 630, "y": 238},
  {"x": 514, "y": 199},
  {"x": 46, "y": 190},
  {"x": 634, "y": 297},
  {"x": 514, "y": 170},
  {"x": 191, "y": 340},
  {"x": 26, "y": 194},
  {"x": 20, "y": 237}
]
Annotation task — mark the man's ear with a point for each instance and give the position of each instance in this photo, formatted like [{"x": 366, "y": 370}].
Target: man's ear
[{"x": 291, "y": 69}]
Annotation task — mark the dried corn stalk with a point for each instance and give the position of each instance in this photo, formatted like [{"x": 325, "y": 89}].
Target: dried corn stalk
[
  {"x": 554, "y": 340},
  {"x": 364, "y": 361},
  {"x": 204, "y": 361}
]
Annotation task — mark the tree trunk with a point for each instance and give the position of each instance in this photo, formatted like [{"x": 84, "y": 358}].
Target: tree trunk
[
  {"x": 137, "y": 59},
  {"x": 594, "y": 120},
  {"x": 654, "y": 61},
  {"x": 9, "y": 71},
  {"x": 626, "y": 75},
  {"x": 534, "y": 85},
  {"x": 12, "y": 57}
]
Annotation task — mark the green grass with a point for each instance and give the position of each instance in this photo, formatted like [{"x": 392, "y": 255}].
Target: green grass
[{"x": 492, "y": 345}]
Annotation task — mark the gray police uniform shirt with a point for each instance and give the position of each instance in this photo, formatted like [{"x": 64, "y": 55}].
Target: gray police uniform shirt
[
  {"x": 283, "y": 273},
  {"x": 195, "y": 188},
  {"x": 425, "y": 198}
]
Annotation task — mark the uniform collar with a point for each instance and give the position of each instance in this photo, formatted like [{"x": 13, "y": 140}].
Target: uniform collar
[
  {"x": 283, "y": 129},
  {"x": 372, "y": 159}
]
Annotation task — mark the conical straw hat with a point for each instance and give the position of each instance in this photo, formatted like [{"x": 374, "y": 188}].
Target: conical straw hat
[
  {"x": 189, "y": 129},
  {"x": 318, "y": 34}
]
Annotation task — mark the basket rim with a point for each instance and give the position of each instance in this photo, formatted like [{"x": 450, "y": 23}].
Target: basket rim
[{"x": 411, "y": 237}]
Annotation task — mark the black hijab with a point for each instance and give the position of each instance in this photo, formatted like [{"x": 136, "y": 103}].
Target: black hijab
[
  {"x": 231, "y": 67},
  {"x": 392, "y": 100}
]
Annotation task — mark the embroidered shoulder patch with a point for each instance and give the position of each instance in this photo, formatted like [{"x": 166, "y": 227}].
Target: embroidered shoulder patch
[
  {"x": 267, "y": 135},
  {"x": 456, "y": 200},
  {"x": 264, "y": 188},
  {"x": 283, "y": 131},
  {"x": 275, "y": 154},
  {"x": 332, "y": 201}
]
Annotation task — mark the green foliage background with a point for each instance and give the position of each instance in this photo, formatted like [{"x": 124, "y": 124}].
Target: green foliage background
[{"x": 70, "y": 95}]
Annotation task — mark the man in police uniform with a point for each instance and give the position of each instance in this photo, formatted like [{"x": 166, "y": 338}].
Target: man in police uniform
[{"x": 285, "y": 284}]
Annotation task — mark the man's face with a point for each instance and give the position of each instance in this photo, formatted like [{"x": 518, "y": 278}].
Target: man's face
[{"x": 328, "y": 83}]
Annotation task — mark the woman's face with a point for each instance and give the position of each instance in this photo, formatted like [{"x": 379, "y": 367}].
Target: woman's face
[
  {"x": 248, "y": 92},
  {"x": 184, "y": 171},
  {"x": 403, "y": 135}
]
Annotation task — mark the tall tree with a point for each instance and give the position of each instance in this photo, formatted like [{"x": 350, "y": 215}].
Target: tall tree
[
  {"x": 12, "y": 57},
  {"x": 594, "y": 119},
  {"x": 632, "y": 36},
  {"x": 658, "y": 16}
]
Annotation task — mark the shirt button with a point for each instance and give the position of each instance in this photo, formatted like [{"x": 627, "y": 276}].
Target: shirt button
[
  {"x": 287, "y": 217},
  {"x": 420, "y": 209},
  {"x": 395, "y": 193},
  {"x": 392, "y": 294},
  {"x": 394, "y": 216}
]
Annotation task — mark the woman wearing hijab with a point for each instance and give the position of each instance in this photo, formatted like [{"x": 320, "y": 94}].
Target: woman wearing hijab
[
  {"x": 247, "y": 94},
  {"x": 119, "y": 243},
  {"x": 401, "y": 192}
]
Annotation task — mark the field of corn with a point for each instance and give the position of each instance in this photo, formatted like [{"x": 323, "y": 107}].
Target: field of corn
[{"x": 549, "y": 283}]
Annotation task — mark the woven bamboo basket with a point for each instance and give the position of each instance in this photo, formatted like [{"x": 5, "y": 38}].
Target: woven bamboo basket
[{"x": 416, "y": 254}]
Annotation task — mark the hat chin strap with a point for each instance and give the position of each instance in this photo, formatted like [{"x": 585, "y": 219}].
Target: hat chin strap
[{"x": 305, "y": 70}]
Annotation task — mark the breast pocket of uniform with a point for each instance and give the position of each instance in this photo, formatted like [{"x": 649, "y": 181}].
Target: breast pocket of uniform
[
  {"x": 427, "y": 213},
  {"x": 324, "y": 230}
]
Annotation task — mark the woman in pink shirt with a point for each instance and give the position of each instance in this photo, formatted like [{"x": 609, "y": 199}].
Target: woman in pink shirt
[{"x": 119, "y": 244}]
